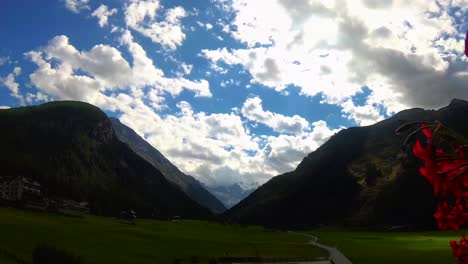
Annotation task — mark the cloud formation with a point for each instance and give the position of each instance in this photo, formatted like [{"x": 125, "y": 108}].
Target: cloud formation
[
  {"x": 102, "y": 13},
  {"x": 76, "y": 6},
  {"x": 10, "y": 83},
  {"x": 105, "y": 70},
  {"x": 253, "y": 110},
  {"x": 142, "y": 16},
  {"x": 407, "y": 52},
  {"x": 218, "y": 148},
  {"x": 400, "y": 48}
]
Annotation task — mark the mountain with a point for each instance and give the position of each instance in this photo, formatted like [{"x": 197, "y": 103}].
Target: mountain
[
  {"x": 186, "y": 183},
  {"x": 71, "y": 149},
  {"x": 230, "y": 195},
  {"x": 360, "y": 176}
]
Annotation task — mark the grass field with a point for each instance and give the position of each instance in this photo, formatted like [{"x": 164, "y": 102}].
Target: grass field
[
  {"x": 106, "y": 240},
  {"x": 391, "y": 247}
]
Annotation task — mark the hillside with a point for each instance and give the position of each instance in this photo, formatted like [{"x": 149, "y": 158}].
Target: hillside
[
  {"x": 188, "y": 184},
  {"x": 360, "y": 176},
  {"x": 71, "y": 149}
]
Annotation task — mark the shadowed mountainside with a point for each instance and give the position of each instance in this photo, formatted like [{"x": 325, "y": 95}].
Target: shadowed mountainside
[
  {"x": 71, "y": 149},
  {"x": 360, "y": 176}
]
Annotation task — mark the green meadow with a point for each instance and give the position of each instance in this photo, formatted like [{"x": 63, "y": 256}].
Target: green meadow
[
  {"x": 107, "y": 240},
  {"x": 361, "y": 247}
]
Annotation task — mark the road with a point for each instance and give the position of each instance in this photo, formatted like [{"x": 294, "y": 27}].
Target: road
[{"x": 336, "y": 257}]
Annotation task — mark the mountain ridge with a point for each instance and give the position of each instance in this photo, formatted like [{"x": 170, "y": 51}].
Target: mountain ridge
[{"x": 191, "y": 186}]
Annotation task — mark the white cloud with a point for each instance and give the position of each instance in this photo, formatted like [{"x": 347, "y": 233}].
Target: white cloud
[
  {"x": 363, "y": 115},
  {"x": 76, "y": 6},
  {"x": 219, "y": 149},
  {"x": 396, "y": 48},
  {"x": 141, "y": 16},
  {"x": 102, "y": 13},
  {"x": 10, "y": 83},
  {"x": 146, "y": 72},
  {"x": 17, "y": 71},
  {"x": 5, "y": 60},
  {"x": 36, "y": 97},
  {"x": 4, "y": 107},
  {"x": 184, "y": 69},
  {"x": 104, "y": 69},
  {"x": 283, "y": 153},
  {"x": 253, "y": 110}
]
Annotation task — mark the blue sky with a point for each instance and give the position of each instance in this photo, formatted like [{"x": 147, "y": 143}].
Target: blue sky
[{"x": 235, "y": 91}]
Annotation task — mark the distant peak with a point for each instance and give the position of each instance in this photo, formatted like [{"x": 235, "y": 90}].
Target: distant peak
[{"x": 458, "y": 102}]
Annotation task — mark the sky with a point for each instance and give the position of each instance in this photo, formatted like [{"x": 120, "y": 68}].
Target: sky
[{"x": 235, "y": 91}]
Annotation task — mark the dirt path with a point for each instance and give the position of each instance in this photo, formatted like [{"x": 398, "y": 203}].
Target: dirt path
[{"x": 336, "y": 257}]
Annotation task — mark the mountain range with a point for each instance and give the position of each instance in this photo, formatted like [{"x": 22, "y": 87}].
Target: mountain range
[
  {"x": 188, "y": 184},
  {"x": 361, "y": 176},
  {"x": 72, "y": 150},
  {"x": 229, "y": 195}
]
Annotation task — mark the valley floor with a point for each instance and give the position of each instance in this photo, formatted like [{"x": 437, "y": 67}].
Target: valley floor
[
  {"x": 404, "y": 247},
  {"x": 107, "y": 240}
]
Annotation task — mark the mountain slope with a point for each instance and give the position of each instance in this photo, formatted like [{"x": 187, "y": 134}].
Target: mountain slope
[
  {"x": 360, "y": 176},
  {"x": 71, "y": 149},
  {"x": 188, "y": 184}
]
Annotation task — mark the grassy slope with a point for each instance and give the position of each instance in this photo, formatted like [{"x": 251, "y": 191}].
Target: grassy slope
[
  {"x": 431, "y": 247},
  {"x": 105, "y": 240}
]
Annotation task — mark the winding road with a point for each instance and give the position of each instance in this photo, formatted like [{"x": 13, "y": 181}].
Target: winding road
[{"x": 336, "y": 257}]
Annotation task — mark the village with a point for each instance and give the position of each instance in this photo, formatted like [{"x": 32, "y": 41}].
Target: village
[{"x": 24, "y": 192}]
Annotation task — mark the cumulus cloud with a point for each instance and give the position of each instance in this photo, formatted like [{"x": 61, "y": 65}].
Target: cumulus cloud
[
  {"x": 86, "y": 75},
  {"x": 76, "y": 6},
  {"x": 283, "y": 153},
  {"x": 395, "y": 48},
  {"x": 219, "y": 149},
  {"x": 253, "y": 110},
  {"x": 377, "y": 3},
  {"x": 407, "y": 52},
  {"x": 10, "y": 83},
  {"x": 102, "y": 13},
  {"x": 363, "y": 115},
  {"x": 142, "y": 16}
]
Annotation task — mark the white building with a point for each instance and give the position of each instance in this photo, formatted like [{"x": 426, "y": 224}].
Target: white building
[{"x": 14, "y": 188}]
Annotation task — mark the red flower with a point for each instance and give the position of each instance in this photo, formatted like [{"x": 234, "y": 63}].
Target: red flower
[
  {"x": 429, "y": 171},
  {"x": 450, "y": 217},
  {"x": 460, "y": 250},
  {"x": 446, "y": 172}
]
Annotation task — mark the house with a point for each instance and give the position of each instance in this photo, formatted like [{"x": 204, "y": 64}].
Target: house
[
  {"x": 15, "y": 188},
  {"x": 127, "y": 215},
  {"x": 72, "y": 205}
]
